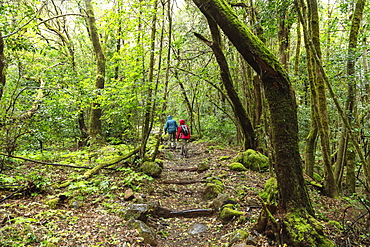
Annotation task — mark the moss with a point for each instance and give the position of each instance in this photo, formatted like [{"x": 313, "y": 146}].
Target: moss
[
  {"x": 305, "y": 230},
  {"x": 253, "y": 160},
  {"x": 52, "y": 203},
  {"x": 211, "y": 191},
  {"x": 270, "y": 193},
  {"x": 203, "y": 166},
  {"x": 224, "y": 158},
  {"x": 237, "y": 236},
  {"x": 236, "y": 166},
  {"x": 151, "y": 168},
  {"x": 227, "y": 214}
]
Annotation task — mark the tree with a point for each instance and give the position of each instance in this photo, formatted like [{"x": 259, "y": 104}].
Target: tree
[
  {"x": 294, "y": 203},
  {"x": 350, "y": 103},
  {"x": 95, "y": 129}
]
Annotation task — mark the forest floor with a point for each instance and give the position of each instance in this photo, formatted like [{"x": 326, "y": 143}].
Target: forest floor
[{"x": 93, "y": 218}]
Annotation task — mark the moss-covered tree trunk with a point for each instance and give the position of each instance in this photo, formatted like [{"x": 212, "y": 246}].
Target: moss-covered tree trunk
[
  {"x": 2, "y": 66},
  {"x": 351, "y": 93},
  {"x": 95, "y": 127},
  {"x": 238, "y": 108},
  {"x": 322, "y": 109},
  {"x": 294, "y": 204},
  {"x": 146, "y": 127}
]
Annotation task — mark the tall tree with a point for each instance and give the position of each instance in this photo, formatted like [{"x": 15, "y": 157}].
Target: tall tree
[
  {"x": 95, "y": 128},
  {"x": 294, "y": 204},
  {"x": 350, "y": 102},
  {"x": 318, "y": 90},
  {"x": 2, "y": 66},
  {"x": 149, "y": 104},
  {"x": 238, "y": 108}
]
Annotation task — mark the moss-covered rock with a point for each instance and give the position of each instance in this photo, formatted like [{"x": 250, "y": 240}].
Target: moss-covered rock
[
  {"x": 238, "y": 236},
  {"x": 253, "y": 160},
  {"x": 212, "y": 190},
  {"x": 151, "y": 168},
  {"x": 203, "y": 166},
  {"x": 52, "y": 203},
  {"x": 270, "y": 193},
  {"x": 227, "y": 214},
  {"x": 224, "y": 158},
  {"x": 144, "y": 231},
  {"x": 236, "y": 166}
]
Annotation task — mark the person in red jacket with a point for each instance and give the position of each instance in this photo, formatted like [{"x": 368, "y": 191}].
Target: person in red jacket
[{"x": 183, "y": 132}]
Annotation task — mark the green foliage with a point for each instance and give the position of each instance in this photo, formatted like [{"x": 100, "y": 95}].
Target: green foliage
[{"x": 134, "y": 179}]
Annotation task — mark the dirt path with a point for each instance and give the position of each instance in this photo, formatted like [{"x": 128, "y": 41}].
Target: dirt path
[{"x": 178, "y": 231}]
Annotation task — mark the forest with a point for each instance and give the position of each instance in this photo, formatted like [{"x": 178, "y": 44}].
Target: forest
[{"x": 275, "y": 94}]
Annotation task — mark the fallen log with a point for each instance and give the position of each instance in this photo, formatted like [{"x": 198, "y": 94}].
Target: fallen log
[
  {"x": 182, "y": 181},
  {"x": 95, "y": 169},
  {"x": 188, "y": 169},
  {"x": 192, "y": 213}
]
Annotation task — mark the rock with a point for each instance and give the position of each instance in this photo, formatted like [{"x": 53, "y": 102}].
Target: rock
[
  {"x": 75, "y": 204},
  {"x": 227, "y": 214},
  {"x": 224, "y": 158},
  {"x": 253, "y": 160},
  {"x": 211, "y": 191},
  {"x": 151, "y": 168},
  {"x": 144, "y": 231},
  {"x": 52, "y": 203},
  {"x": 236, "y": 166},
  {"x": 238, "y": 236},
  {"x": 218, "y": 201},
  {"x": 203, "y": 166},
  {"x": 197, "y": 228},
  {"x": 134, "y": 211},
  {"x": 129, "y": 195}
]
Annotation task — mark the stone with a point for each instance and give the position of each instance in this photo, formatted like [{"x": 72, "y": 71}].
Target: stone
[
  {"x": 144, "y": 231},
  {"x": 129, "y": 195},
  {"x": 197, "y": 228},
  {"x": 227, "y": 214},
  {"x": 152, "y": 169},
  {"x": 236, "y": 166},
  {"x": 134, "y": 211}
]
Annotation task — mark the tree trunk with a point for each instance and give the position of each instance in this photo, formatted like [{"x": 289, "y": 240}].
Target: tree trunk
[
  {"x": 149, "y": 94},
  {"x": 294, "y": 201},
  {"x": 2, "y": 67},
  {"x": 319, "y": 97},
  {"x": 352, "y": 90},
  {"x": 238, "y": 108},
  {"x": 95, "y": 129}
]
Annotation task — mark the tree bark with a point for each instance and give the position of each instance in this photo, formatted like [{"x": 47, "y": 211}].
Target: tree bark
[
  {"x": 149, "y": 94},
  {"x": 2, "y": 66},
  {"x": 95, "y": 128},
  {"x": 238, "y": 108},
  {"x": 294, "y": 198},
  {"x": 351, "y": 93}
]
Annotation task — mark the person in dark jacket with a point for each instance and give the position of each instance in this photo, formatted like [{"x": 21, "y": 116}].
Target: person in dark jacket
[
  {"x": 183, "y": 132},
  {"x": 171, "y": 128}
]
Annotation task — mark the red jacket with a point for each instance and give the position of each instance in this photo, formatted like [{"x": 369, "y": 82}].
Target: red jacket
[{"x": 180, "y": 134}]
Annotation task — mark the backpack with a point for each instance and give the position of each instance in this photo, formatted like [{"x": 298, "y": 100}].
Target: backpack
[{"x": 184, "y": 130}]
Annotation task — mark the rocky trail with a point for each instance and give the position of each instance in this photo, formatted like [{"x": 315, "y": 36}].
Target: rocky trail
[{"x": 182, "y": 187}]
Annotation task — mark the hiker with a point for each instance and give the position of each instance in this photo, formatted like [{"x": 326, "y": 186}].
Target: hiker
[
  {"x": 183, "y": 132},
  {"x": 171, "y": 128}
]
